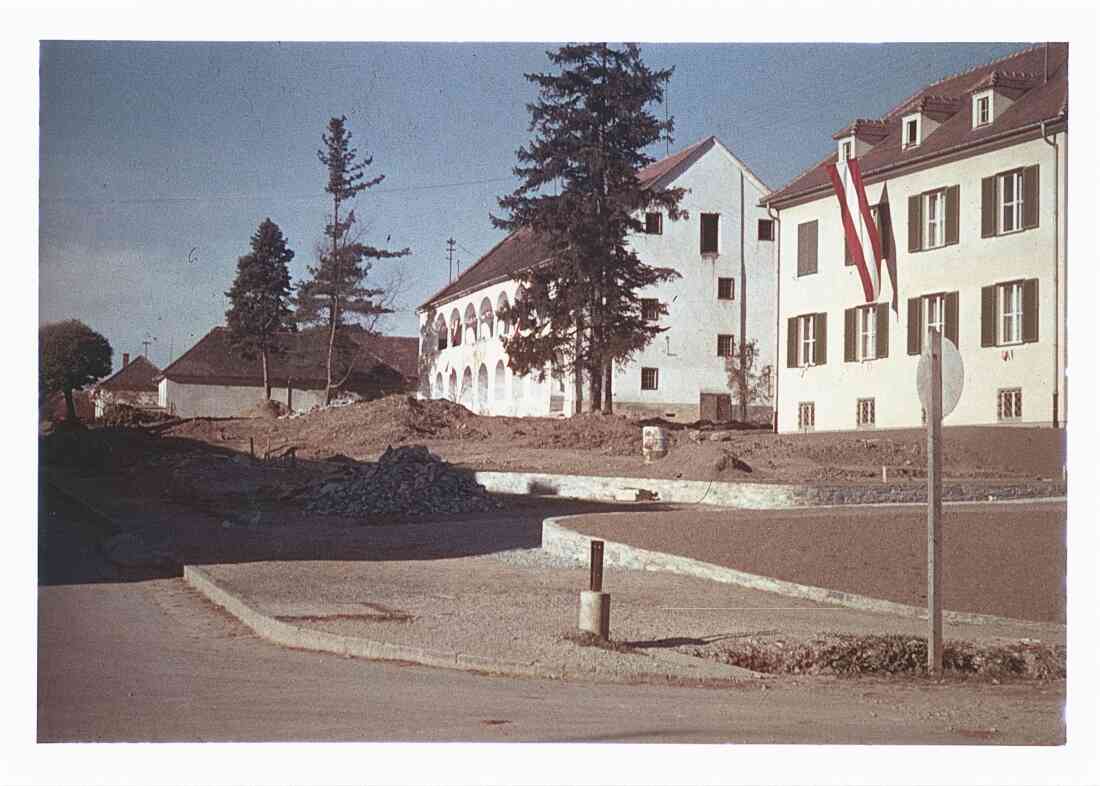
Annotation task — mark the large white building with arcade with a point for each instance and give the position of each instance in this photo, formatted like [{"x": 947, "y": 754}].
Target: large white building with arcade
[{"x": 723, "y": 253}]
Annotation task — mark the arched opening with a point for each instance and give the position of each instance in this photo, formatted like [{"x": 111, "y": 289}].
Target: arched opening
[
  {"x": 466, "y": 392},
  {"x": 440, "y": 333},
  {"x": 438, "y": 392},
  {"x": 469, "y": 320},
  {"x": 452, "y": 386},
  {"x": 456, "y": 328},
  {"x": 485, "y": 326},
  {"x": 499, "y": 385},
  {"x": 517, "y": 387},
  {"x": 504, "y": 326},
  {"x": 482, "y": 388}
]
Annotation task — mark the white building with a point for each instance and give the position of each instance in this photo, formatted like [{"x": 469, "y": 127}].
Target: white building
[
  {"x": 968, "y": 182},
  {"x": 723, "y": 248}
]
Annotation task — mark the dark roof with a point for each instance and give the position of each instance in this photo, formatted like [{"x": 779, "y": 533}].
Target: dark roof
[
  {"x": 521, "y": 249},
  {"x": 139, "y": 374},
  {"x": 213, "y": 361},
  {"x": 1041, "y": 101}
]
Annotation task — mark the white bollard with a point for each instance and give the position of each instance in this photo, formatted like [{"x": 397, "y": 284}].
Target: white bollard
[{"x": 595, "y": 616}]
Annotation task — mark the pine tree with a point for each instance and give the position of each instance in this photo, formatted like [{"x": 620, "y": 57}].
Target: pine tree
[
  {"x": 260, "y": 299},
  {"x": 70, "y": 356},
  {"x": 581, "y": 196},
  {"x": 337, "y": 290}
]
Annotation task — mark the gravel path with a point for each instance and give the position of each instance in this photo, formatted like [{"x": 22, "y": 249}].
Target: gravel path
[{"x": 1007, "y": 560}]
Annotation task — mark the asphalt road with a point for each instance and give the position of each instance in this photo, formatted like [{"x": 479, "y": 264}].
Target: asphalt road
[{"x": 152, "y": 661}]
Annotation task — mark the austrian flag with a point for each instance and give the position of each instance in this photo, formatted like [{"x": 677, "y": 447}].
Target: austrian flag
[{"x": 859, "y": 227}]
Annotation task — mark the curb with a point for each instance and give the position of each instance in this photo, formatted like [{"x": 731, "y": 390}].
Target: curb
[{"x": 570, "y": 544}]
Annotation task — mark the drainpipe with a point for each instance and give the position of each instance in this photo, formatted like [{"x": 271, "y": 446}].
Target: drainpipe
[
  {"x": 1057, "y": 317},
  {"x": 778, "y": 344}
]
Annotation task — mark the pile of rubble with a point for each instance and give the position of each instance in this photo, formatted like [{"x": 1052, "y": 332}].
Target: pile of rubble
[{"x": 407, "y": 480}]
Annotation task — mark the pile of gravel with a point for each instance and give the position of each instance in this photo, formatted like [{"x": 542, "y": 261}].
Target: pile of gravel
[{"x": 407, "y": 480}]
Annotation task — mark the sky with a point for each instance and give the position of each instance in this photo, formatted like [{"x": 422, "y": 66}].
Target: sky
[{"x": 159, "y": 160}]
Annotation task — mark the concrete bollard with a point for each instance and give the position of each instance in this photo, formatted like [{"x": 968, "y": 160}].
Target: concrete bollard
[{"x": 595, "y": 616}]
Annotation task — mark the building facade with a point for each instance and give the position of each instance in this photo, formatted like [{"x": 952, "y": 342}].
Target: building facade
[
  {"x": 723, "y": 253},
  {"x": 967, "y": 184}
]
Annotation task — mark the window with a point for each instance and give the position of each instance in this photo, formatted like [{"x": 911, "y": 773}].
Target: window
[
  {"x": 981, "y": 109},
  {"x": 649, "y": 379},
  {"x": 846, "y": 151},
  {"x": 939, "y": 310},
  {"x": 807, "y": 248},
  {"x": 1010, "y": 404},
  {"x": 441, "y": 340},
  {"x": 651, "y": 309},
  {"x": 806, "y": 342},
  {"x": 805, "y": 416},
  {"x": 1011, "y": 204},
  {"x": 765, "y": 229},
  {"x": 653, "y": 223},
  {"x": 866, "y": 344},
  {"x": 910, "y": 134},
  {"x": 865, "y": 412},
  {"x": 934, "y": 209},
  {"x": 725, "y": 289},
  {"x": 1011, "y": 312},
  {"x": 727, "y": 347},
  {"x": 708, "y": 234}
]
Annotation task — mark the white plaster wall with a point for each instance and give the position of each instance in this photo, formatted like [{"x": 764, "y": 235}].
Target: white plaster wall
[
  {"x": 224, "y": 401},
  {"x": 965, "y": 267},
  {"x": 686, "y": 354}
]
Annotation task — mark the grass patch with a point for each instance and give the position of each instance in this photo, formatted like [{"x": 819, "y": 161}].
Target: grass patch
[{"x": 852, "y": 656}]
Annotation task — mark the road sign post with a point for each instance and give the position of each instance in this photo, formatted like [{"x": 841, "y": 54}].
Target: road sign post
[{"x": 935, "y": 506}]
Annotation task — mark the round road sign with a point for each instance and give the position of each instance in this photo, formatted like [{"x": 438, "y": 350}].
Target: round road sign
[{"x": 951, "y": 366}]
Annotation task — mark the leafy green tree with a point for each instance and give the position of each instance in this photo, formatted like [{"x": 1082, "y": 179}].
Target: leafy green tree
[
  {"x": 752, "y": 384},
  {"x": 70, "y": 356},
  {"x": 337, "y": 290},
  {"x": 260, "y": 299},
  {"x": 581, "y": 196}
]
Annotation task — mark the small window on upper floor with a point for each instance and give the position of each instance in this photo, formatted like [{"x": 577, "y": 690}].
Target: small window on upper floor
[
  {"x": 708, "y": 234},
  {"x": 651, "y": 309},
  {"x": 846, "y": 150},
  {"x": 653, "y": 223},
  {"x": 725, "y": 289},
  {"x": 981, "y": 109},
  {"x": 765, "y": 229},
  {"x": 910, "y": 131}
]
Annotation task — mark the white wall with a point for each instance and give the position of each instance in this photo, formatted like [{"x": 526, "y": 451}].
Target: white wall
[
  {"x": 225, "y": 401},
  {"x": 965, "y": 267},
  {"x": 686, "y": 354}
]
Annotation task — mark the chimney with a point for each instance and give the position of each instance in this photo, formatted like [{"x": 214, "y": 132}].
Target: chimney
[{"x": 125, "y": 359}]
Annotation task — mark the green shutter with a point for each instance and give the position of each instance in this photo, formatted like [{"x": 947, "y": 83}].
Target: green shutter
[
  {"x": 819, "y": 339},
  {"x": 1031, "y": 196},
  {"x": 914, "y": 223},
  {"x": 1031, "y": 310},
  {"x": 882, "y": 330},
  {"x": 792, "y": 342},
  {"x": 989, "y": 316},
  {"x": 914, "y": 338},
  {"x": 849, "y": 335},
  {"x": 952, "y": 222},
  {"x": 807, "y": 248},
  {"x": 951, "y": 316},
  {"x": 989, "y": 208},
  {"x": 885, "y": 232}
]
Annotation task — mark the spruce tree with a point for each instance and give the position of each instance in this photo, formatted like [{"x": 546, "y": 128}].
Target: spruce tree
[
  {"x": 260, "y": 299},
  {"x": 581, "y": 196},
  {"x": 337, "y": 291}
]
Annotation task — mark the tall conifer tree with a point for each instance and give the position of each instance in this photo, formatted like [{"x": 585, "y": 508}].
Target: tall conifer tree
[
  {"x": 337, "y": 291},
  {"x": 581, "y": 196},
  {"x": 260, "y": 299}
]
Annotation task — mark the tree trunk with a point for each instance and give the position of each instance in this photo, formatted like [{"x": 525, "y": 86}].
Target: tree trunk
[
  {"x": 595, "y": 388},
  {"x": 331, "y": 348},
  {"x": 70, "y": 407},
  {"x": 607, "y": 407},
  {"x": 267, "y": 380},
  {"x": 578, "y": 369}
]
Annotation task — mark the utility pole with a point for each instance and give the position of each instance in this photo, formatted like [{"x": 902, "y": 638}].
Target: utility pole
[{"x": 450, "y": 258}]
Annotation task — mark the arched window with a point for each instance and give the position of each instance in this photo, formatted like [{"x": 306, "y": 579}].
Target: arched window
[
  {"x": 456, "y": 328},
  {"x": 466, "y": 392},
  {"x": 440, "y": 333},
  {"x": 482, "y": 388},
  {"x": 485, "y": 326},
  {"x": 438, "y": 392},
  {"x": 499, "y": 384},
  {"x": 504, "y": 326},
  {"x": 469, "y": 320},
  {"x": 452, "y": 386}
]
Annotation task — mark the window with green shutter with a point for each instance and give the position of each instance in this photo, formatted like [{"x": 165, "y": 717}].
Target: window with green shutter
[{"x": 1010, "y": 201}]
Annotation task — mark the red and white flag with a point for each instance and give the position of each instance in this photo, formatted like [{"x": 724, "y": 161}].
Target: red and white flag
[{"x": 859, "y": 226}]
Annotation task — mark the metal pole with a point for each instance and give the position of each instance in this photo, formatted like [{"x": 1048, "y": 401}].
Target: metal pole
[
  {"x": 595, "y": 567},
  {"x": 935, "y": 509}
]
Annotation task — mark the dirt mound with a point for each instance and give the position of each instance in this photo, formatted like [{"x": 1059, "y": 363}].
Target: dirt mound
[
  {"x": 265, "y": 409},
  {"x": 408, "y": 480},
  {"x": 125, "y": 415},
  {"x": 607, "y": 434}
]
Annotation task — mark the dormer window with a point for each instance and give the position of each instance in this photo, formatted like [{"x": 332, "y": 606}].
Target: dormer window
[
  {"x": 910, "y": 131},
  {"x": 846, "y": 150},
  {"x": 981, "y": 109}
]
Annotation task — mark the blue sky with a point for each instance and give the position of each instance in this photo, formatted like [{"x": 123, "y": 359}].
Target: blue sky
[{"x": 151, "y": 150}]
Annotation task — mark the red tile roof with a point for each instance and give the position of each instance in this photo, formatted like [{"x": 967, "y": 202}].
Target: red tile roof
[
  {"x": 213, "y": 361},
  {"x": 1043, "y": 101},
  {"x": 139, "y": 374},
  {"x": 521, "y": 249}
]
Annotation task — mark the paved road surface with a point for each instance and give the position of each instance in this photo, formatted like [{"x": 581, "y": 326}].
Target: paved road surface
[{"x": 150, "y": 660}]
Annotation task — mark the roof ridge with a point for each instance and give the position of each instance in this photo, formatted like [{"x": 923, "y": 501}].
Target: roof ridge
[
  {"x": 142, "y": 358},
  {"x": 513, "y": 234}
]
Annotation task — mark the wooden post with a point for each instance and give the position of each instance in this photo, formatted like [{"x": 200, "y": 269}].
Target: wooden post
[
  {"x": 595, "y": 567},
  {"x": 935, "y": 508},
  {"x": 252, "y": 448}
]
